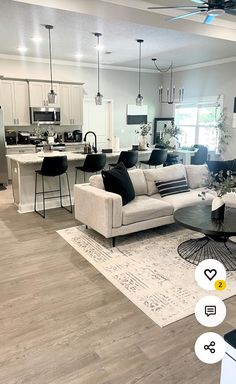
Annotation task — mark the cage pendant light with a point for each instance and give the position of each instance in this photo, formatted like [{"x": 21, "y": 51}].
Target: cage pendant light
[
  {"x": 171, "y": 95},
  {"x": 99, "y": 96},
  {"x": 139, "y": 98},
  {"x": 51, "y": 95}
]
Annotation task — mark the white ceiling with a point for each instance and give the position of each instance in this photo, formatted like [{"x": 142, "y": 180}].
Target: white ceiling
[{"x": 121, "y": 23}]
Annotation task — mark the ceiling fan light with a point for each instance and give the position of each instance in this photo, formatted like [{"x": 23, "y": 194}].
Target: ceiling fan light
[
  {"x": 139, "y": 100},
  {"x": 98, "y": 98},
  {"x": 52, "y": 97}
]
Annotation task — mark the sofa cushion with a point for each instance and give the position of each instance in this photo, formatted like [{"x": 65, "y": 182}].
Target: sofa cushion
[
  {"x": 197, "y": 175},
  {"x": 145, "y": 208},
  {"x": 172, "y": 187},
  {"x": 117, "y": 180},
  {"x": 139, "y": 182},
  {"x": 96, "y": 181},
  {"x": 136, "y": 175},
  {"x": 185, "y": 199},
  {"x": 152, "y": 176}
]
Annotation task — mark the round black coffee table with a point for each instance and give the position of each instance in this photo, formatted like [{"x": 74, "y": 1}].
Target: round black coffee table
[{"x": 215, "y": 244}]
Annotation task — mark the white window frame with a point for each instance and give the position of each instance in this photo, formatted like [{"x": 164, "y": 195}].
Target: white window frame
[{"x": 197, "y": 102}]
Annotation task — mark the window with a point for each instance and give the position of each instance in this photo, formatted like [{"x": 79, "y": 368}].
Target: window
[{"x": 197, "y": 122}]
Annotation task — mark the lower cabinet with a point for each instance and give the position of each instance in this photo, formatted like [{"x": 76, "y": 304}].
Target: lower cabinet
[{"x": 17, "y": 150}]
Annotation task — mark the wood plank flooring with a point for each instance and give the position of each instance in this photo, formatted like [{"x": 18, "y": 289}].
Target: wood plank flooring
[{"x": 62, "y": 322}]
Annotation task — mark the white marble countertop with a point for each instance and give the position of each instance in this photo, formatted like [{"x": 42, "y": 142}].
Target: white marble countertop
[{"x": 33, "y": 158}]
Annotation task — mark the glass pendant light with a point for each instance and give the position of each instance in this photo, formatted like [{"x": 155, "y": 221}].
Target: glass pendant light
[
  {"x": 51, "y": 95},
  {"x": 99, "y": 96},
  {"x": 139, "y": 98}
]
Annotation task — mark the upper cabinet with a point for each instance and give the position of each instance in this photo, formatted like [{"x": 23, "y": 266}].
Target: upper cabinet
[
  {"x": 14, "y": 99},
  {"x": 71, "y": 103},
  {"x": 39, "y": 94}
]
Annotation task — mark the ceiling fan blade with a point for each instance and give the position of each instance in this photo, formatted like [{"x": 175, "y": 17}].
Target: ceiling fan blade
[
  {"x": 177, "y": 7},
  {"x": 185, "y": 15},
  {"x": 209, "y": 19}
]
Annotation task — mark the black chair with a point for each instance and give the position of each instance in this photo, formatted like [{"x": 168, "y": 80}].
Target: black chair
[
  {"x": 171, "y": 158},
  {"x": 201, "y": 155},
  {"x": 93, "y": 163},
  {"x": 128, "y": 158},
  {"x": 158, "y": 157},
  {"x": 52, "y": 167}
]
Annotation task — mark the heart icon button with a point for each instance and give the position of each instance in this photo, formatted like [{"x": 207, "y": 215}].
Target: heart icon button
[{"x": 210, "y": 273}]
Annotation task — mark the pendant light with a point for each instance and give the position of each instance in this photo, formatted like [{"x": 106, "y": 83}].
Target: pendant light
[
  {"x": 99, "y": 96},
  {"x": 51, "y": 95},
  {"x": 171, "y": 96},
  {"x": 139, "y": 98}
]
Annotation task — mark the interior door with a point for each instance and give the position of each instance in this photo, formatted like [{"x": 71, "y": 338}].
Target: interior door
[{"x": 98, "y": 118}]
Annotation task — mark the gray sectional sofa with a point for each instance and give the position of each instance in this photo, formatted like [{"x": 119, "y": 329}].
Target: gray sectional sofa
[{"x": 103, "y": 211}]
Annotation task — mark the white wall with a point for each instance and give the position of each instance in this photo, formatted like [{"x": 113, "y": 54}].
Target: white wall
[
  {"x": 209, "y": 81},
  {"x": 121, "y": 86}
]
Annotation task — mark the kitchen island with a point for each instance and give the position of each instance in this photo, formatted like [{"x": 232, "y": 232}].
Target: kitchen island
[
  {"x": 23, "y": 176},
  {"x": 23, "y": 168}
]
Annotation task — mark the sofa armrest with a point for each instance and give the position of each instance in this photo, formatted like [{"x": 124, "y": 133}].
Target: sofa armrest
[{"x": 99, "y": 209}]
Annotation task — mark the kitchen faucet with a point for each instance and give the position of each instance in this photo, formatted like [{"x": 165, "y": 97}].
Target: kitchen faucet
[{"x": 95, "y": 137}]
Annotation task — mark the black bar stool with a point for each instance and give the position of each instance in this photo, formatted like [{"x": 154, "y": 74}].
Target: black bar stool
[
  {"x": 157, "y": 157},
  {"x": 94, "y": 162},
  {"x": 52, "y": 167},
  {"x": 128, "y": 158}
]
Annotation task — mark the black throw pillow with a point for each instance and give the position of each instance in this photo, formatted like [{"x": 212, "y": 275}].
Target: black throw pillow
[{"x": 117, "y": 180}]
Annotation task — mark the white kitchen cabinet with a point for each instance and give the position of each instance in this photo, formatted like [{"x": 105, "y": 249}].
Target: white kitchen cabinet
[
  {"x": 17, "y": 149},
  {"x": 15, "y": 102},
  {"x": 39, "y": 94},
  {"x": 71, "y": 97}
]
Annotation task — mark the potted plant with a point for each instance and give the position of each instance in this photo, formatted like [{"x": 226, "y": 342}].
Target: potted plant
[
  {"x": 220, "y": 183},
  {"x": 170, "y": 136},
  {"x": 144, "y": 130}
]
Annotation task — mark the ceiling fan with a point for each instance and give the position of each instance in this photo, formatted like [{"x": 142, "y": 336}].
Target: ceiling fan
[{"x": 210, "y": 8}]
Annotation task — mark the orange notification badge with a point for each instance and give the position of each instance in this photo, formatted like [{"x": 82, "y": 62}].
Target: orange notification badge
[{"x": 220, "y": 285}]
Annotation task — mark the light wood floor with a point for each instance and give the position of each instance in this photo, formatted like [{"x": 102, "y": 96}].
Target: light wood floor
[{"x": 62, "y": 322}]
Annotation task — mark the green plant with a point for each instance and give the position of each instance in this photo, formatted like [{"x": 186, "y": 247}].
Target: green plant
[
  {"x": 144, "y": 129},
  {"x": 220, "y": 183},
  {"x": 169, "y": 133},
  {"x": 222, "y": 130}
]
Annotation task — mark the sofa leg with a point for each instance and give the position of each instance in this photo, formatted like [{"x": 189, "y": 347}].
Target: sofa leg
[{"x": 113, "y": 242}]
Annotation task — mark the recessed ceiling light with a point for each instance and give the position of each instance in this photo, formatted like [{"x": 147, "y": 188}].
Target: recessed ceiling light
[
  {"x": 22, "y": 49},
  {"x": 36, "y": 39},
  {"x": 79, "y": 55}
]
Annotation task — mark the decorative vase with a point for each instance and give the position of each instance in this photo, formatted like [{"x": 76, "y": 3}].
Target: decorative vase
[
  {"x": 218, "y": 209},
  {"x": 142, "y": 143}
]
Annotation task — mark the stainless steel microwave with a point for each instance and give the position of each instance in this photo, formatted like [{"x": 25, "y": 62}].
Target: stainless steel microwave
[{"x": 45, "y": 115}]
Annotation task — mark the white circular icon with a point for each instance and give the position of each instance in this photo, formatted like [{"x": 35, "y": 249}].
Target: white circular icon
[
  {"x": 210, "y": 348},
  {"x": 208, "y": 272},
  {"x": 210, "y": 311}
]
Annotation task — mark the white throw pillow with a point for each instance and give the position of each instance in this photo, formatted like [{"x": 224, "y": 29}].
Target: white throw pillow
[
  {"x": 173, "y": 172},
  {"x": 96, "y": 181},
  {"x": 197, "y": 175}
]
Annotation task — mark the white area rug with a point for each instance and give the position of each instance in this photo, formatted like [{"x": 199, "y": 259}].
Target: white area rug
[{"x": 147, "y": 269}]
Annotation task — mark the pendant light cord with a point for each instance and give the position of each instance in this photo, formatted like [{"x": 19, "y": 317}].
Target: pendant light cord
[
  {"x": 50, "y": 55},
  {"x": 98, "y": 64},
  {"x": 139, "y": 77}
]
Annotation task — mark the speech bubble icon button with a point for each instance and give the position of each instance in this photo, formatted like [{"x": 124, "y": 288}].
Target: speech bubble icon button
[{"x": 210, "y": 311}]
